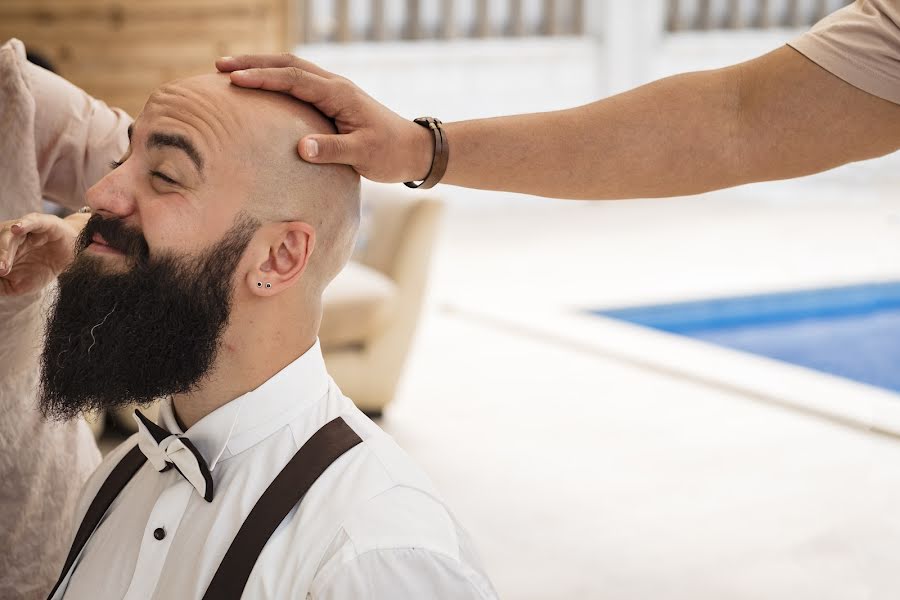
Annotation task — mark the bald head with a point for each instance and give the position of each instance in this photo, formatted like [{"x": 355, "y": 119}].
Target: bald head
[{"x": 256, "y": 133}]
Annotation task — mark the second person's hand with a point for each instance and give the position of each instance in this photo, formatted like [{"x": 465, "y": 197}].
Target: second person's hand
[
  {"x": 35, "y": 249},
  {"x": 378, "y": 143}
]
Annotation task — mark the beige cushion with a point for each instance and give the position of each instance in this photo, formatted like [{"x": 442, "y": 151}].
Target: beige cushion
[{"x": 357, "y": 304}]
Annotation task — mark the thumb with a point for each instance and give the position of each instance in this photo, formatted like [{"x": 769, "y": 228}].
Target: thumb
[{"x": 345, "y": 149}]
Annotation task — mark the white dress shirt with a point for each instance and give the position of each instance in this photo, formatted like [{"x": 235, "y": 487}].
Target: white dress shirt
[{"x": 371, "y": 527}]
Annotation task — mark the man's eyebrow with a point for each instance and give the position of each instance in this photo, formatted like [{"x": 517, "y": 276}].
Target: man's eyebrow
[{"x": 175, "y": 140}]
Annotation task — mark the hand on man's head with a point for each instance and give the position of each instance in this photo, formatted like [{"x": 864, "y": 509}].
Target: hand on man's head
[{"x": 378, "y": 143}]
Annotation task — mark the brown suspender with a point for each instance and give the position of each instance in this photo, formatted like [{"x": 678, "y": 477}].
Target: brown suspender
[
  {"x": 287, "y": 489},
  {"x": 114, "y": 484},
  {"x": 323, "y": 448}
]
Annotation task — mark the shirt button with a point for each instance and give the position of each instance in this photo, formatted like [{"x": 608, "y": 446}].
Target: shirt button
[{"x": 159, "y": 533}]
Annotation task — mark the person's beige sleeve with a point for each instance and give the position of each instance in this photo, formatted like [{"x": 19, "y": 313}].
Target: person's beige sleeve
[
  {"x": 55, "y": 141},
  {"x": 860, "y": 44},
  {"x": 76, "y": 136}
]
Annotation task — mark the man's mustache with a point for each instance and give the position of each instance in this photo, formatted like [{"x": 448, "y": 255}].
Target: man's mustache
[{"x": 127, "y": 240}]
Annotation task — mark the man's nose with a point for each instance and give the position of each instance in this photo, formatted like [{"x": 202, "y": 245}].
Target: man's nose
[{"x": 112, "y": 195}]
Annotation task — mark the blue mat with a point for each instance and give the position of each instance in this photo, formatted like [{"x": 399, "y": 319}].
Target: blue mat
[{"x": 853, "y": 332}]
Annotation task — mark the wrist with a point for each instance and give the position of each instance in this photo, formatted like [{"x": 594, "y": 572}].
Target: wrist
[{"x": 421, "y": 153}]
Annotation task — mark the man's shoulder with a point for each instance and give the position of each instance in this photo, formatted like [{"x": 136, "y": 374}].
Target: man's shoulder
[
  {"x": 375, "y": 483},
  {"x": 403, "y": 517},
  {"x": 401, "y": 540},
  {"x": 404, "y": 508},
  {"x": 379, "y": 464}
]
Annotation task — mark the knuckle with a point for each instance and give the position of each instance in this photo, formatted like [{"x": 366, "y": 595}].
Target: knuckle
[
  {"x": 344, "y": 86},
  {"x": 336, "y": 145},
  {"x": 296, "y": 75}
]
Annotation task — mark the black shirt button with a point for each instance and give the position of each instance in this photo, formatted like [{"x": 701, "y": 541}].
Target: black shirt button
[{"x": 159, "y": 533}]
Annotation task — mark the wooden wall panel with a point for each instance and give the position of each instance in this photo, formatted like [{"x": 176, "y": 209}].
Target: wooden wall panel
[{"x": 120, "y": 50}]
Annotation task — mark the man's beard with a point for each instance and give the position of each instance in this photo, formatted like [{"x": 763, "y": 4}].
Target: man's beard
[{"x": 115, "y": 338}]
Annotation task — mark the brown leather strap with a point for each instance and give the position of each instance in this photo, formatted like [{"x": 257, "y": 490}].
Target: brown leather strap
[
  {"x": 439, "y": 159},
  {"x": 298, "y": 476},
  {"x": 111, "y": 488}
]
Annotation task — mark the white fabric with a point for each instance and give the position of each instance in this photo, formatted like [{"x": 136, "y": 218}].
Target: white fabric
[
  {"x": 55, "y": 142},
  {"x": 372, "y": 526},
  {"x": 171, "y": 450}
]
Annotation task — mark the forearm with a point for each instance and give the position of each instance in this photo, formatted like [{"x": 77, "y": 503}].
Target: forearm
[
  {"x": 670, "y": 137},
  {"x": 775, "y": 117}
]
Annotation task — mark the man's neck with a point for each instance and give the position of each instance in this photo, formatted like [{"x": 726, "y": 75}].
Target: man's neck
[{"x": 246, "y": 360}]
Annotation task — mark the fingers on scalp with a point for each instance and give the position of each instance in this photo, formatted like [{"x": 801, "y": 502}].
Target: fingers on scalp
[
  {"x": 299, "y": 83},
  {"x": 296, "y": 75},
  {"x": 306, "y": 85},
  {"x": 311, "y": 67},
  {"x": 270, "y": 61},
  {"x": 343, "y": 86},
  {"x": 336, "y": 96},
  {"x": 246, "y": 61}
]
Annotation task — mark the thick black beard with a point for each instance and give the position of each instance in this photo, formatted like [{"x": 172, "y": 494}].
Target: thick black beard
[{"x": 131, "y": 337}]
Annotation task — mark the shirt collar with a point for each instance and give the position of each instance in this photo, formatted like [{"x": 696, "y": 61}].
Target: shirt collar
[{"x": 249, "y": 419}]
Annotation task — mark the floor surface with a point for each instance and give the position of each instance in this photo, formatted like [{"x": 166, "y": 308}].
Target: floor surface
[{"x": 584, "y": 477}]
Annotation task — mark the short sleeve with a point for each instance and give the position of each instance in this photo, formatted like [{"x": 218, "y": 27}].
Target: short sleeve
[
  {"x": 860, "y": 44},
  {"x": 403, "y": 574}
]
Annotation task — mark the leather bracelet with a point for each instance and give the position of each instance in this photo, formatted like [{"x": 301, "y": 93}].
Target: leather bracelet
[{"x": 439, "y": 159}]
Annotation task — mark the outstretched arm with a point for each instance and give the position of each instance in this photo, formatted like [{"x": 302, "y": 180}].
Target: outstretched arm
[{"x": 775, "y": 117}]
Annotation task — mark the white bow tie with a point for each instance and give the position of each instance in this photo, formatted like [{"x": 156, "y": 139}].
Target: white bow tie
[{"x": 165, "y": 450}]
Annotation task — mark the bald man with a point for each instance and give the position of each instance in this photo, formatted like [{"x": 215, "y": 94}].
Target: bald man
[{"x": 198, "y": 279}]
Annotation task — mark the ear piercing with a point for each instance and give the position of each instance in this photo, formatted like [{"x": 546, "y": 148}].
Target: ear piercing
[{"x": 259, "y": 284}]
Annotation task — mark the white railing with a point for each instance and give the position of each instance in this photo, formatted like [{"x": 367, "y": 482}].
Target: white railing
[
  {"x": 746, "y": 14},
  {"x": 345, "y": 21},
  {"x": 342, "y": 21}
]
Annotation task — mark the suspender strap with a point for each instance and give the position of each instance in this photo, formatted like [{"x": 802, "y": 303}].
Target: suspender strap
[
  {"x": 114, "y": 484},
  {"x": 317, "y": 454}
]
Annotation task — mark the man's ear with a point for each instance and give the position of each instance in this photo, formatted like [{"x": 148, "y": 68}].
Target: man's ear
[{"x": 290, "y": 245}]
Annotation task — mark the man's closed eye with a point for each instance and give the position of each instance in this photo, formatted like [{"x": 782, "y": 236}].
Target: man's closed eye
[
  {"x": 163, "y": 177},
  {"x": 158, "y": 174}
]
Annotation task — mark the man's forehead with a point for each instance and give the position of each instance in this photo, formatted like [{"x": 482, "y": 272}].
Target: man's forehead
[
  {"x": 219, "y": 118},
  {"x": 204, "y": 108}
]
